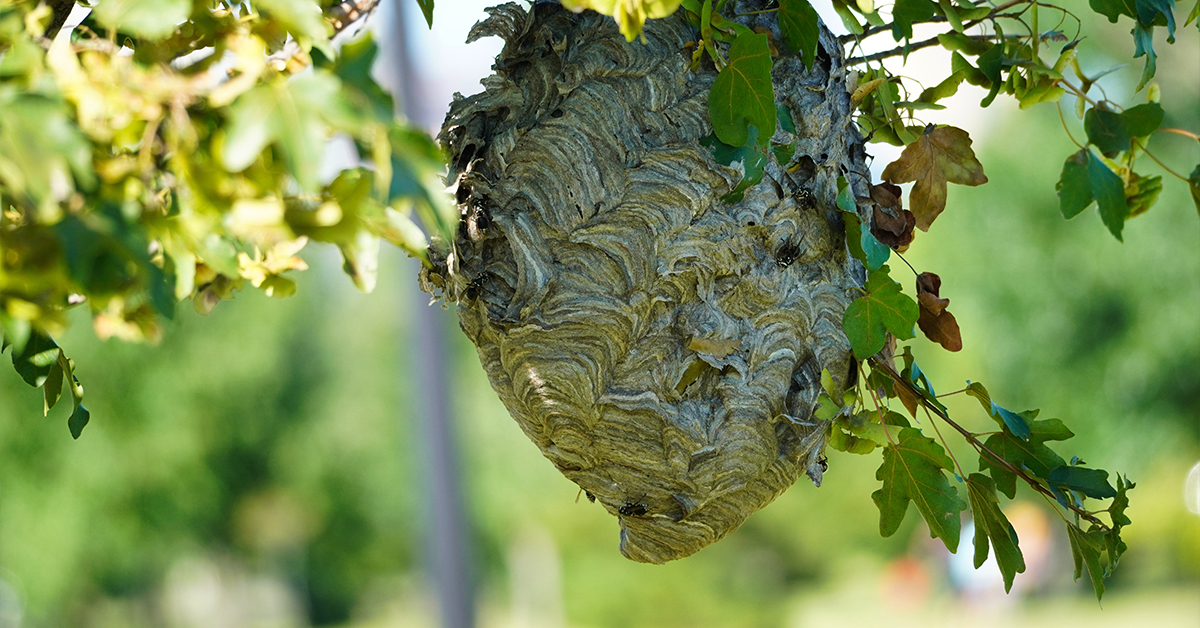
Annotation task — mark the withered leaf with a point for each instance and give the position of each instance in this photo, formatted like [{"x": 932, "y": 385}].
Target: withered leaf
[
  {"x": 892, "y": 224},
  {"x": 942, "y": 154},
  {"x": 938, "y": 324}
]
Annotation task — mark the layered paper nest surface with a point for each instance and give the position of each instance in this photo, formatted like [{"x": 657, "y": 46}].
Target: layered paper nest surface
[{"x": 661, "y": 347}]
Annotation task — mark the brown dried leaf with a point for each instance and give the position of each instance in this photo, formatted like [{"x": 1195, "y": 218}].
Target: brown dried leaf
[
  {"x": 942, "y": 154},
  {"x": 938, "y": 324},
  {"x": 894, "y": 231}
]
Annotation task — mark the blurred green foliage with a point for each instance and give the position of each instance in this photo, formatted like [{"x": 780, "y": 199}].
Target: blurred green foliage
[{"x": 162, "y": 151}]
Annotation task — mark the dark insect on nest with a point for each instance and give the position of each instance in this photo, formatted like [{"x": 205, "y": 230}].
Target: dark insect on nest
[{"x": 648, "y": 337}]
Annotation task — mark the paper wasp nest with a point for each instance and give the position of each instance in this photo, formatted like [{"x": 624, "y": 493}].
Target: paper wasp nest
[{"x": 661, "y": 347}]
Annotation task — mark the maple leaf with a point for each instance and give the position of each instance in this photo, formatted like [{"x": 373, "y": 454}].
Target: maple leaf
[
  {"x": 938, "y": 324},
  {"x": 942, "y": 154},
  {"x": 913, "y": 470},
  {"x": 992, "y": 526}
]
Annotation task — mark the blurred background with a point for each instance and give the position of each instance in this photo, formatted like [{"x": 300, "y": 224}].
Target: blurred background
[{"x": 261, "y": 467}]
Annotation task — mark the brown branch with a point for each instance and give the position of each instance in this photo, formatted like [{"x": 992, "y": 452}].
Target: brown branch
[
  {"x": 899, "y": 50},
  {"x": 979, "y": 447},
  {"x": 341, "y": 16},
  {"x": 875, "y": 30}
]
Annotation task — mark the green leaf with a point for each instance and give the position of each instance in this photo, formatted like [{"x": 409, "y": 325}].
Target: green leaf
[
  {"x": 152, "y": 19},
  {"x": 905, "y": 12},
  {"x": 39, "y": 144},
  {"x": 78, "y": 420},
  {"x": 751, "y": 157},
  {"x": 1194, "y": 186},
  {"x": 1032, "y": 455},
  {"x": 913, "y": 470},
  {"x": 1157, "y": 13},
  {"x": 295, "y": 115},
  {"x": 427, "y": 11},
  {"x": 1194, "y": 15},
  {"x": 1143, "y": 45},
  {"x": 52, "y": 388},
  {"x": 353, "y": 67},
  {"x": 1113, "y": 9},
  {"x": 743, "y": 95},
  {"x": 1116, "y": 510},
  {"x": 1085, "y": 550},
  {"x": 1014, "y": 422},
  {"x": 1074, "y": 187},
  {"x": 36, "y": 361},
  {"x": 884, "y": 308},
  {"x": 1142, "y": 120},
  {"x": 863, "y": 245},
  {"x": 302, "y": 18},
  {"x": 990, "y": 64},
  {"x": 1106, "y": 129},
  {"x": 991, "y": 525},
  {"x": 1090, "y": 482},
  {"x": 1109, "y": 191},
  {"x": 848, "y": 20},
  {"x": 799, "y": 24}
]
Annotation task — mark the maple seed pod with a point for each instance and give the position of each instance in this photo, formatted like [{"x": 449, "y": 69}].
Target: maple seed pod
[{"x": 663, "y": 348}]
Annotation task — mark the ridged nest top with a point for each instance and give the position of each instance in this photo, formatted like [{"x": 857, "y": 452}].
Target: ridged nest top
[{"x": 661, "y": 347}]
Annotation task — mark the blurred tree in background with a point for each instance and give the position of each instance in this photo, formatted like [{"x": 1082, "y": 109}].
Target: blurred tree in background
[{"x": 257, "y": 451}]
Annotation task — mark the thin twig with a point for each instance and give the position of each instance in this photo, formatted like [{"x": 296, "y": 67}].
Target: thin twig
[
  {"x": 875, "y": 30},
  {"x": 932, "y": 41}
]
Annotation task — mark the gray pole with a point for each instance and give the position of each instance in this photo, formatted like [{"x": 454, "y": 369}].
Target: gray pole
[{"x": 447, "y": 546}]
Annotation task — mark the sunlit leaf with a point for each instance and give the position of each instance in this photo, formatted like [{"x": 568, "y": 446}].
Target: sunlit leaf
[
  {"x": 302, "y": 18},
  {"x": 799, "y": 24},
  {"x": 742, "y": 94},
  {"x": 631, "y": 15},
  {"x": 144, "y": 18}
]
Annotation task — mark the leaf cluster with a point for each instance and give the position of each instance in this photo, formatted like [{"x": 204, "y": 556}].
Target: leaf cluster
[{"x": 173, "y": 150}]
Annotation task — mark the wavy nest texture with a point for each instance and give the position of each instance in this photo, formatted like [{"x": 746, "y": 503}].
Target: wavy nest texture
[{"x": 661, "y": 347}]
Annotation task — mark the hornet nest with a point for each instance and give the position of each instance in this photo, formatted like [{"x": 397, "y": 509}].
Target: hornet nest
[{"x": 663, "y": 348}]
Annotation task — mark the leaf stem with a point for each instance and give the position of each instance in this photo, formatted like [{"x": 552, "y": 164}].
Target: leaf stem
[
  {"x": 1062, "y": 119},
  {"x": 1160, "y": 164},
  {"x": 1180, "y": 132}
]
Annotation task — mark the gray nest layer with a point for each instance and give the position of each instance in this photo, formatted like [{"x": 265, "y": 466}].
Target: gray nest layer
[{"x": 661, "y": 347}]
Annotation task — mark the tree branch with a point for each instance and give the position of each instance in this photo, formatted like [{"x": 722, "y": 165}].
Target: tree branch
[
  {"x": 62, "y": 10},
  {"x": 899, "y": 50},
  {"x": 978, "y": 446}
]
